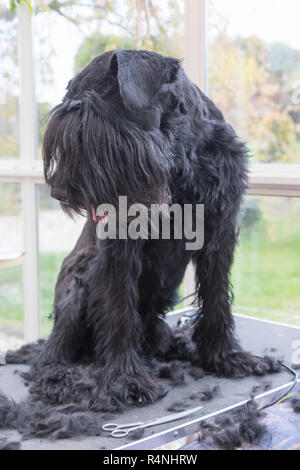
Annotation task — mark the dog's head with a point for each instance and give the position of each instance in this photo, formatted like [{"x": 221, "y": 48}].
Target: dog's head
[{"x": 108, "y": 137}]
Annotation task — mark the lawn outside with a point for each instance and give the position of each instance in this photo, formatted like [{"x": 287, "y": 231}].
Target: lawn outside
[{"x": 266, "y": 272}]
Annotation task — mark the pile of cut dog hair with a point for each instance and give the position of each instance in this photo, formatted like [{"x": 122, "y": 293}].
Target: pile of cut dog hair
[{"x": 66, "y": 402}]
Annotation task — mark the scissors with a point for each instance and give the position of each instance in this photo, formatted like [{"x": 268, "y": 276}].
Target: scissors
[{"x": 122, "y": 430}]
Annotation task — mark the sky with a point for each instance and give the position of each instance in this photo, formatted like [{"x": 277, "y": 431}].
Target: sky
[{"x": 271, "y": 20}]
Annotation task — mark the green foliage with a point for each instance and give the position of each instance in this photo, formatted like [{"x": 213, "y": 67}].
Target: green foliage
[
  {"x": 14, "y": 3},
  {"x": 11, "y": 294},
  {"x": 280, "y": 138},
  {"x": 250, "y": 215},
  {"x": 98, "y": 43},
  {"x": 250, "y": 91},
  {"x": 266, "y": 272},
  {"x": 251, "y": 81},
  {"x": 10, "y": 197},
  {"x": 11, "y": 299}
]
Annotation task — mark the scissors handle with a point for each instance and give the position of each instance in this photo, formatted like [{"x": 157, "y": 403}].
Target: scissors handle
[
  {"x": 125, "y": 431},
  {"x": 121, "y": 430}
]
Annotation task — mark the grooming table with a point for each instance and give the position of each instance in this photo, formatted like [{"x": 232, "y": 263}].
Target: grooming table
[{"x": 260, "y": 337}]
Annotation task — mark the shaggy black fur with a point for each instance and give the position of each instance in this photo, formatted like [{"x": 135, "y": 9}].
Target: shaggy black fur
[
  {"x": 178, "y": 406},
  {"x": 197, "y": 373},
  {"x": 132, "y": 123},
  {"x": 25, "y": 354},
  {"x": 207, "y": 394},
  {"x": 173, "y": 371},
  {"x": 231, "y": 431},
  {"x": 35, "y": 418},
  {"x": 260, "y": 388}
]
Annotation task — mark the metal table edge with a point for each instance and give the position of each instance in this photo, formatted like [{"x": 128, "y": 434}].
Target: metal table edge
[{"x": 192, "y": 427}]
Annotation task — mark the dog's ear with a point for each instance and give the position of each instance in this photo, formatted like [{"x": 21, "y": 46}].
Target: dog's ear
[{"x": 141, "y": 74}]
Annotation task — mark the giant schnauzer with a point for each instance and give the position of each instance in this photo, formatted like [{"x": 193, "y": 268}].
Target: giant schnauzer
[{"x": 133, "y": 124}]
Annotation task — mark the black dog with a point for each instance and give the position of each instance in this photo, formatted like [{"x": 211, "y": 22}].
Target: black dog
[{"x": 133, "y": 124}]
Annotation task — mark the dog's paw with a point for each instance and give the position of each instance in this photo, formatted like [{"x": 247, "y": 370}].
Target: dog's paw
[
  {"x": 139, "y": 390},
  {"x": 142, "y": 390},
  {"x": 242, "y": 364},
  {"x": 126, "y": 390}
]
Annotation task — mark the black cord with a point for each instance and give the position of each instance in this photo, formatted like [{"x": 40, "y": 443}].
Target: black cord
[{"x": 285, "y": 394}]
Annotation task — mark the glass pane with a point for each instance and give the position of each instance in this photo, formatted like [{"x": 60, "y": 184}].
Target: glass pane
[
  {"x": 9, "y": 83},
  {"x": 254, "y": 70},
  {"x": 11, "y": 289},
  {"x": 69, "y": 34},
  {"x": 266, "y": 273},
  {"x": 57, "y": 237}
]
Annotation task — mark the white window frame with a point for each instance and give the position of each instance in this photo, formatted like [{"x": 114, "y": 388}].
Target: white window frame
[{"x": 271, "y": 180}]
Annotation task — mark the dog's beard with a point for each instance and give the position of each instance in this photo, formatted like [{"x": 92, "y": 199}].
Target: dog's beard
[{"x": 95, "y": 156}]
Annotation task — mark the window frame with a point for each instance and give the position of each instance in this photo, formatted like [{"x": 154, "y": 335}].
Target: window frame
[{"x": 264, "y": 179}]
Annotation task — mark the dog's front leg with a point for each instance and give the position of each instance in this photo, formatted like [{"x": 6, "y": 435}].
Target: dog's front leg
[
  {"x": 69, "y": 339},
  {"x": 117, "y": 325},
  {"x": 218, "y": 348}
]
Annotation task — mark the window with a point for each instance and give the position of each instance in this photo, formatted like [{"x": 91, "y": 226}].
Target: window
[
  {"x": 161, "y": 28},
  {"x": 9, "y": 84},
  {"x": 68, "y": 36},
  {"x": 266, "y": 271},
  {"x": 57, "y": 236},
  {"x": 11, "y": 229},
  {"x": 253, "y": 65},
  {"x": 247, "y": 65},
  {"x": 64, "y": 38}
]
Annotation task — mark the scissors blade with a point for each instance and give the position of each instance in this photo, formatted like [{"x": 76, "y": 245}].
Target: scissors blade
[{"x": 173, "y": 417}]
